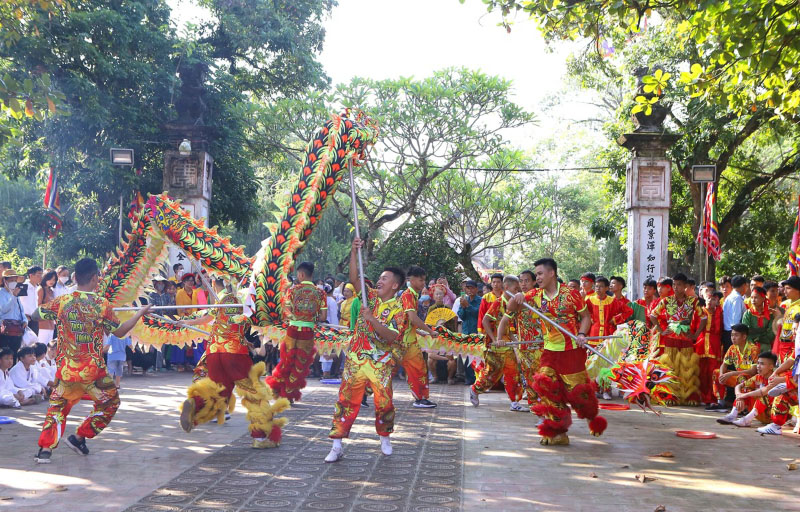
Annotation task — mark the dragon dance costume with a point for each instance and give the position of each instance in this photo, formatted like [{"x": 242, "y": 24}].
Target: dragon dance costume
[
  {"x": 498, "y": 361},
  {"x": 410, "y": 353},
  {"x": 562, "y": 376},
  {"x": 229, "y": 365},
  {"x": 678, "y": 346},
  {"x": 708, "y": 348},
  {"x": 370, "y": 361},
  {"x": 305, "y": 304},
  {"x": 82, "y": 318}
]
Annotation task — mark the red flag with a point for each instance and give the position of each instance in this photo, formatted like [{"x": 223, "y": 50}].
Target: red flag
[
  {"x": 52, "y": 203},
  {"x": 708, "y": 236}
]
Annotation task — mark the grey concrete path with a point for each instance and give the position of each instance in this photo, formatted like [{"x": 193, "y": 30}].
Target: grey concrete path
[{"x": 145, "y": 462}]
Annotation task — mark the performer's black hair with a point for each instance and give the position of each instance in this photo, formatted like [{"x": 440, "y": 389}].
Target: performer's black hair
[
  {"x": 547, "y": 262},
  {"x": 399, "y": 275},
  {"x": 619, "y": 280},
  {"x": 742, "y": 328},
  {"x": 85, "y": 270},
  {"x": 530, "y": 273},
  {"x": 602, "y": 279},
  {"x": 498, "y": 275},
  {"x": 769, "y": 355},
  {"x": 680, "y": 277},
  {"x": 306, "y": 267},
  {"x": 652, "y": 283},
  {"x": 738, "y": 281},
  {"x": 415, "y": 271}
]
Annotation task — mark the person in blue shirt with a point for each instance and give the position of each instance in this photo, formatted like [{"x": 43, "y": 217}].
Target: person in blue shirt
[
  {"x": 468, "y": 308},
  {"x": 115, "y": 348}
]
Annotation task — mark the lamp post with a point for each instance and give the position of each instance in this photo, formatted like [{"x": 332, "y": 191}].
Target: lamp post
[{"x": 122, "y": 157}]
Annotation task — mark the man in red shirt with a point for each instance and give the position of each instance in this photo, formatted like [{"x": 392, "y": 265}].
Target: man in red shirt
[
  {"x": 410, "y": 354},
  {"x": 562, "y": 376},
  {"x": 82, "y": 318},
  {"x": 488, "y": 298},
  {"x": 709, "y": 347},
  {"x": 303, "y": 306},
  {"x": 229, "y": 365}
]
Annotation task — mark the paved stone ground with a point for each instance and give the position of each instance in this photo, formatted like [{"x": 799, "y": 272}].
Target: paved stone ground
[
  {"x": 471, "y": 459},
  {"x": 422, "y": 475}
]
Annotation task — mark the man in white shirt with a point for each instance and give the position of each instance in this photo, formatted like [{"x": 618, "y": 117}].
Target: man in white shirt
[
  {"x": 30, "y": 301},
  {"x": 23, "y": 374}
]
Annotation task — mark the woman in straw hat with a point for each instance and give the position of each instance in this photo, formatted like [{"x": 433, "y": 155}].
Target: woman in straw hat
[{"x": 12, "y": 318}]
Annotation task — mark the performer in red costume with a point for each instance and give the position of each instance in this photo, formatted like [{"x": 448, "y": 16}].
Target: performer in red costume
[
  {"x": 81, "y": 320},
  {"x": 304, "y": 305},
  {"x": 709, "y": 347},
  {"x": 410, "y": 354},
  {"x": 562, "y": 376}
]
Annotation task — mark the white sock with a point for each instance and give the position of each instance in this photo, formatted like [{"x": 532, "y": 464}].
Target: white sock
[
  {"x": 751, "y": 414},
  {"x": 337, "y": 444},
  {"x": 734, "y": 411}
]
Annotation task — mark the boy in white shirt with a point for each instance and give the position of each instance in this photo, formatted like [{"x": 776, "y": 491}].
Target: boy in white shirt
[
  {"x": 10, "y": 395},
  {"x": 44, "y": 371},
  {"x": 23, "y": 374}
]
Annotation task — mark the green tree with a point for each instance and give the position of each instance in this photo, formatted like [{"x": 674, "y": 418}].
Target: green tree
[
  {"x": 417, "y": 243},
  {"x": 123, "y": 72},
  {"x": 752, "y": 47}
]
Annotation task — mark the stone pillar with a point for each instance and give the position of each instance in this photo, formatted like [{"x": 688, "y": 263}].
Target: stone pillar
[
  {"x": 188, "y": 178},
  {"x": 647, "y": 201}
]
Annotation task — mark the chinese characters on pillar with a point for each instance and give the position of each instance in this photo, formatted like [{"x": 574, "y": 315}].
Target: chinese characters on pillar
[{"x": 650, "y": 253}]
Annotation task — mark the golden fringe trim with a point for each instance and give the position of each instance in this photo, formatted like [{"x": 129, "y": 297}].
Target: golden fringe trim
[
  {"x": 256, "y": 397},
  {"x": 214, "y": 405}
]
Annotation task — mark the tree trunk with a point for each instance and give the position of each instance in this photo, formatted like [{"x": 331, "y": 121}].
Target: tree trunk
[{"x": 465, "y": 258}]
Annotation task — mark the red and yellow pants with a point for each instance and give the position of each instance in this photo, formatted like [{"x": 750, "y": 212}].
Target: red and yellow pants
[
  {"x": 358, "y": 373},
  {"x": 562, "y": 379},
  {"x": 297, "y": 356},
  {"x": 103, "y": 392},
  {"x": 707, "y": 367},
  {"x": 499, "y": 362},
  {"x": 212, "y": 395},
  {"x": 529, "y": 360},
  {"x": 416, "y": 370}
]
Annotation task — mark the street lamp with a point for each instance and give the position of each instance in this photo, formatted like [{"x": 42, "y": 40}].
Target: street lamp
[
  {"x": 124, "y": 157},
  {"x": 121, "y": 156}
]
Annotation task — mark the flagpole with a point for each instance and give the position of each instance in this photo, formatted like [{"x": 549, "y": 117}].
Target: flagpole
[
  {"x": 703, "y": 221},
  {"x": 44, "y": 257},
  {"x": 358, "y": 234}
]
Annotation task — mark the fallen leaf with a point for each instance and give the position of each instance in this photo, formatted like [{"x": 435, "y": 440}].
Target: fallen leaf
[
  {"x": 60, "y": 488},
  {"x": 667, "y": 455},
  {"x": 644, "y": 478},
  {"x": 625, "y": 466},
  {"x": 6, "y": 498},
  {"x": 592, "y": 475},
  {"x": 791, "y": 466},
  {"x": 660, "y": 508}
]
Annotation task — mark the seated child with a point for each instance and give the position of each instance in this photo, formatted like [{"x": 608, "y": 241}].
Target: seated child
[
  {"x": 753, "y": 394},
  {"x": 738, "y": 364},
  {"x": 23, "y": 373},
  {"x": 11, "y": 395},
  {"x": 44, "y": 373}
]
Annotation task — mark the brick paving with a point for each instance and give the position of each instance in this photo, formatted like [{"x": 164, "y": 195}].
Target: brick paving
[{"x": 424, "y": 473}]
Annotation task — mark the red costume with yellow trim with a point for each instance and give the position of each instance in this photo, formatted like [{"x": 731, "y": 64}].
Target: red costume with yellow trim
[
  {"x": 606, "y": 314},
  {"x": 498, "y": 361},
  {"x": 708, "y": 348},
  {"x": 562, "y": 376},
  {"x": 228, "y": 365},
  {"x": 82, "y": 318},
  {"x": 304, "y": 305},
  {"x": 410, "y": 354}
]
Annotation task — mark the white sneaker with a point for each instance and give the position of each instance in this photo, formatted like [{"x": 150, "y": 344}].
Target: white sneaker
[
  {"x": 728, "y": 418},
  {"x": 386, "y": 445},
  {"x": 473, "y": 397},
  {"x": 744, "y": 421},
  {"x": 606, "y": 395},
  {"x": 539, "y": 423},
  {"x": 516, "y": 407},
  {"x": 772, "y": 428},
  {"x": 334, "y": 455}
]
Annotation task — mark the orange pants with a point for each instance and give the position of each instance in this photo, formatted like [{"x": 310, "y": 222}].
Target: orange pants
[
  {"x": 499, "y": 362},
  {"x": 65, "y": 395},
  {"x": 416, "y": 371},
  {"x": 357, "y": 374},
  {"x": 529, "y": 359}
]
